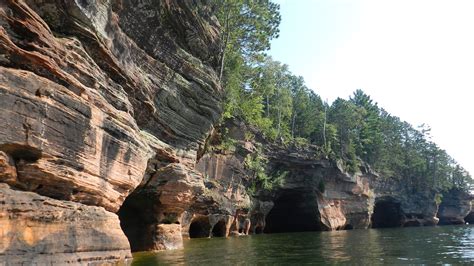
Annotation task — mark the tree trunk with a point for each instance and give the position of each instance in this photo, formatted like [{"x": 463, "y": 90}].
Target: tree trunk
[
  {"x": 279, "y": 122},
  {"x": 268, "y": 106},
  {"x": 324, "y": 127},
  {"x": 293, "y": 126},
  {"x": 224, "y": 46}
]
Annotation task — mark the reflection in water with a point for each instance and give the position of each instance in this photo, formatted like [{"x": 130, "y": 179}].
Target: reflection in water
[
  {"x": 335, "y": 246},
  {"x": 421, "y": 245}
]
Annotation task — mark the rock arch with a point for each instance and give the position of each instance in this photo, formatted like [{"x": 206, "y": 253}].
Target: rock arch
[
  {"x": 294, "y": 211},
  {"x": 387, "y": 213},
  {"x": 219, "y": 229},
  {"x": 135, "y": 223},
  {"x": 200, "y": 227}
]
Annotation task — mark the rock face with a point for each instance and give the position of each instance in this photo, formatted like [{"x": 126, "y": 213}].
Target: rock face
[
  {"x": 193, "y": 203},
  {"x": 317, "y": 193},
  {"x": 159, "y": 203},
  {"x": 93, "y": 103},
  {"x": 106, "y": 146},
  {"x": 65, "y": 148},
  {"x": 397, "y": 204},
  {"x": 456, "y": 205},
  {"x": 40, "y": 230}
]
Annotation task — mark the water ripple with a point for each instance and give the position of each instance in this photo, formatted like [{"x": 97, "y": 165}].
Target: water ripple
[{"x": 422, "y": 245}]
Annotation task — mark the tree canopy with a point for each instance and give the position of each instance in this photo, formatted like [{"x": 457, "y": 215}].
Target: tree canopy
[{"x": 264, "y": 93}]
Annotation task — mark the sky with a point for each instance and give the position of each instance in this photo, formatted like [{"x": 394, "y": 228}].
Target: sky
[{"x": 414, "y": 57}]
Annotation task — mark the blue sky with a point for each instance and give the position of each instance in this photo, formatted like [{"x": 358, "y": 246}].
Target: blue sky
[{"x": 414, "y": 57}]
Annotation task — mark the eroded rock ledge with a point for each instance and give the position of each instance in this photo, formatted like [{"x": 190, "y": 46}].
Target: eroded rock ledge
[
  {"x": 41, "y": 230},
  {"x": 92, "y": 104},
  {"x": 107, "y": 109}
]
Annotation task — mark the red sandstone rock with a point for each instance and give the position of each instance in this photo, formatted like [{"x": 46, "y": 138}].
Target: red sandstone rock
[
  {"x": 93, "y": 103},
  {"x": 39, "y": 230},
  {"x": 8, "y": 172},
  {"x": 168, "y": 237}
]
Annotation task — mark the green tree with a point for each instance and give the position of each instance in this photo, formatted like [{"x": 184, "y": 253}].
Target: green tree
[
  {"x": 247, "y": 28},
  {"x": 264, "y": 93},
  {"x": 348, "y": 120},
  {"x": 308, "y": 111},
  {"x": 369, "y": 146}
]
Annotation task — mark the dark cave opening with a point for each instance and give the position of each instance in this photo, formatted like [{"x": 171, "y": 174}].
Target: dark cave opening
[
  {"x": 219, "y": 229},
  {"x": 294, "y": 211},
  {"x": 387, "y": 213},
  {"x": 348, "y": 227},
  {"x": 413, "y": 223},
  {"x": 200, "y": 228},
  {"x": 469, "y": 218},
  {"x": 258, "y": 230},
  {"x": 21, "y": 152},
  {"x": 136, "y": 221}
]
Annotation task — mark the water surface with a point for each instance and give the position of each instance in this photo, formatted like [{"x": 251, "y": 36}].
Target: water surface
[{"x": 415, "y": 245}]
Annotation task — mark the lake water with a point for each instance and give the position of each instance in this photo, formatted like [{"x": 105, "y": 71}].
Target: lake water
[{"x": 415, "y": 245}]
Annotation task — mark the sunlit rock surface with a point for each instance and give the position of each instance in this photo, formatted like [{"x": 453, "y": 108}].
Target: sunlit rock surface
[
  {"x": 93, "y": 102},
  {"x": 106, "y": 147},
  {"x": 40, "y": 230}
]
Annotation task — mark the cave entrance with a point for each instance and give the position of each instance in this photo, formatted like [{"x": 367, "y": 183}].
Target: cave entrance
[
  {"x": 469, "y": 218},
  {"x": 258, "y": 230},
  {"x": 387, "y": 213},
  {"x": 136, "y": 221},
  {"x": 219, "y": 229},
  {"x": 199, "y": 228},
  {"x": 294, "y": 211},
  {"x": 348, "y": 227},
  {"x": 413, "y": 223}
]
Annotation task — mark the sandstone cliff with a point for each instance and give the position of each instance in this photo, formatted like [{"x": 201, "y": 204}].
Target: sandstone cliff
[
  {"x": 92, "y": 101},
  {"x": 107, "y": 141},
  {"x": 316, "y": 193}
]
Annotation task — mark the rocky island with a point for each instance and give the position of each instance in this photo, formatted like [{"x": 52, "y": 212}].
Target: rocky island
[{"x": 112, "y": 141}]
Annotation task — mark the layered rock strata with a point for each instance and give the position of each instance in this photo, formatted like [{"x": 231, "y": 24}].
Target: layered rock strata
[
  {"x": 92, "y": 104},
  {"x": 316, "y": 192},
  {"x": 103, "y": 115},
  {"x": 40, "y": 230},
  {"x": 399, "y": 204}
]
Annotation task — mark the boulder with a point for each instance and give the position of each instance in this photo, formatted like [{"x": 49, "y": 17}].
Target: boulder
[{"x": 39, "y": 230}]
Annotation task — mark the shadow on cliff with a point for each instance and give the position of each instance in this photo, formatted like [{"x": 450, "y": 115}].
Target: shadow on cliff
[{"x": 137, "y": 220}]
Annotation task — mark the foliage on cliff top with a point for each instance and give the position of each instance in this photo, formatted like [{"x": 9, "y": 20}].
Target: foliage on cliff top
[
  {"x": 265, "y": 94},
  {"x": 256, "y": 163}
]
